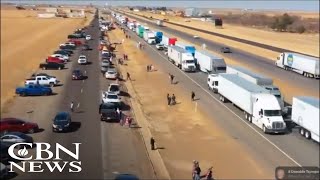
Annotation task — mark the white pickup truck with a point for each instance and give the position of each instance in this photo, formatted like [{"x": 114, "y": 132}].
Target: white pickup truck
[{"x": 42, "y": 80}]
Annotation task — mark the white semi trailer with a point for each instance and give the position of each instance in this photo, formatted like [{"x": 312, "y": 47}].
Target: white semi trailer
[
  {"x": 305, "y": 65},
  {"x": 210, "y": 63},
  {"x": 181, "y": 58},
  {"x": 258, "y": 79},
  {"x": 259, "y": 106},
  {"x": 149, "y": 37},
  {"x": 305, "y": 113}
]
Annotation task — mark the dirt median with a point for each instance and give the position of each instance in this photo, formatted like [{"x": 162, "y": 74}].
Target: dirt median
[
  {"x": 25, "y": 42},
  {"x": 170, "y": 125}
]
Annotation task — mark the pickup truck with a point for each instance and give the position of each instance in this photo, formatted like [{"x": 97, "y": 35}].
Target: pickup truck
[
  {"x": 33, "y": 90},
  {"x": 42, "y": 80},
  {"x": 108, "y": 112},
  {"x": 51, "y": 65}
]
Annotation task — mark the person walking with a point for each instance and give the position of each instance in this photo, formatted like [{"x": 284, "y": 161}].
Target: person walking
[
  {"x": 152, "y": 142},
  {"x": 128, "y": 76},
  {"x": 126, "y": 56},
  {"x": 148, "y": 67},
  {"x": 192, "y": 95},
  {"x": 209, "y": 174},
  {"x": 71, "y": 106},
  {"x": 171, "y": 77},
  {"x": 197, "y": 172},
  {"x": 129, "y": 122},
  {"x": 169, "y": 99},
  {"x": 173, "y": 99}
]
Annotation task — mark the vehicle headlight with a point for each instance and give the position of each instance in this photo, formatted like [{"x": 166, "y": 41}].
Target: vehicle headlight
[
  {"x": 268, "y": 126},
  {"x": 67, "y": 125},
  {"x": 54, "y": 126}
]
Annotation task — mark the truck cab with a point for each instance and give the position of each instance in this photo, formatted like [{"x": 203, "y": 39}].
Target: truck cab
[
  {"x": 274, "y": 90},
  {"x": 188, "y": 62},
  {"x": 213, "y": 82},
  {"x": 266, "y": 114}
]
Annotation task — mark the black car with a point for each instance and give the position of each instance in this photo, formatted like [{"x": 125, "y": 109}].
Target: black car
[
  {"x": 61, "y": 122},
  {"x": 225, "y": 50},
  {"x": 67, "y": 47},
  {"x": 77, "y": 75},
  {"x": 51, "y": 65},
  {"x": 74, "y": 36},
  {"x": 108, "y": 112},
  {"x": 86, "y": 47},
  {"x": 63, "y": 52}
]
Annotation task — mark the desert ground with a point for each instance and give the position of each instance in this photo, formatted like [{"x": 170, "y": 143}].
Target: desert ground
[
  {"x": 26, "y": 41},
  {"x": 306, "y": 43}
]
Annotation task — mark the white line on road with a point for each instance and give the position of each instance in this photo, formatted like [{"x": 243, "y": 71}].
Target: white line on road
[
  {"x": 81, "y": 90},
  {"x": 265, "y": 138},
  {"x": 78, "y": 105},
  {"x": 82, "y": 81}
]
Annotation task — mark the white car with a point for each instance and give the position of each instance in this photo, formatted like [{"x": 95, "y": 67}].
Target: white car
[
  {"x": 114, "y": 88},
  {"x": 68, "y": 43},
  {"x": 60, "y": 56},
  {"x": 111, "y": 74},
  {"x": 110, "y": 97},
  {"x": 196, "y": 37},
  {"x": 88, "y": 37},
  {"x": 160, "y": 46},
  {"x": 82, "y": 59}
]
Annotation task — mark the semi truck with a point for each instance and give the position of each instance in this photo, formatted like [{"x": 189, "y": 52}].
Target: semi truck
[
  {"x": 259, "y": 106},
  {"x": 181, "y": 58},
  {"x": 158, "y": 35},
  {"x": 305, "y": 65},
  {"x": 258, "y": 79},
  {"x": 189, "y": 48},
  {"x": 210, "y": 63},
  {"x": 166, "y": 41},
  {"x": 141, "y": 31},
  {"x": 305, "y": 113},
  {"x": 149, "y": 37},
  {"x": 159, "y": 22}
]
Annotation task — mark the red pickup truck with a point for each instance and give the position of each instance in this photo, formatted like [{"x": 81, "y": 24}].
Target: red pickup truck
[
  {"x": 55, "y": 60},
  {"x": 76, "y": 42}
]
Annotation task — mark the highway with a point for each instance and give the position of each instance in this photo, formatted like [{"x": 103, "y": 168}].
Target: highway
[
  {"x": 270, "y": 150},
  {"x": 265, "y": 46},
  {"x": 260, "y": 64},
  {"x": 106, "y": 149}
]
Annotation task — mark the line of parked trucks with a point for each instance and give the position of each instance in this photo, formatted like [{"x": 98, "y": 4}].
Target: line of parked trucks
[{"x": 255, "y": 94}]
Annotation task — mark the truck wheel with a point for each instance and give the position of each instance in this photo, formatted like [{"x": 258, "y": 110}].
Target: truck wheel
[
  {"x": 301, "y": 131},
  {"x": 246, "y": 116},
  {"x": 23, "y": 94},
  {"x": 286, "y": 68},
  {"x": 31, "y": 131},
  {"x": 250, "y": 119},
  {"x": 44, "y": 68},
  {"x": 264, "y": 128},
  {"x": 307, "y": 135},
  {"x": 51, "y": 84},
  {"x": 59, "y": 68}
]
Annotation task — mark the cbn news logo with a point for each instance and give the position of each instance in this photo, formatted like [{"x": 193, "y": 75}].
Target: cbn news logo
[{"x": 51, "y": 160}]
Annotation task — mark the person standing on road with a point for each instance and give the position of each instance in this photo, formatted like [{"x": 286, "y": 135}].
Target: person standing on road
[
  {"x": 128, "y": 76},
  {"x": 71, "y": 106},
  {"x": 152, "y": 142},
  {"x": 169, "y": 99},
  {"x": 197, "y": 172},
  {"x": 171, "y": 77},
  {"x": 209, "y": 174},
  {"x": 173, "y": 99},
  {"x": 192, "y": 95}
]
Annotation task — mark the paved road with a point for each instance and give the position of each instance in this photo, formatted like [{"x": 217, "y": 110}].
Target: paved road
[
  {"x": 270, "y": 150},
  {"x": 260, "y": 64},
  {"x": 106, "y": 148},
  {"x": 245, "y": 41}
]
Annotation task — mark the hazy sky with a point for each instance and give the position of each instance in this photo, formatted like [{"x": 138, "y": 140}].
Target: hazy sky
[{"x": 307, "y": 5}]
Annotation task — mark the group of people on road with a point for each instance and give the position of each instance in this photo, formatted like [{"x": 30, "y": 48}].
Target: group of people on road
[
  {"x": 150, "y": 68},
  {"x": 171, "y": 99},
  {"x": 196, "y": 172}
]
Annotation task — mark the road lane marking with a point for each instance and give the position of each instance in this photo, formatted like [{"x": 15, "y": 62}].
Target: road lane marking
[
  {"x": 78, "y": 105},
  {"x": 81, "y": 90},
  {"x": 82, "y": 81},
  {"x": 252, "y": 128}
]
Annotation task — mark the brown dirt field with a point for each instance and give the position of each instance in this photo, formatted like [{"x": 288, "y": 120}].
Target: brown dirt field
[
  {"x": 25, "y": 42},
  {"x": 230, "y": 159},
  {"x": 307, "y": 43}
]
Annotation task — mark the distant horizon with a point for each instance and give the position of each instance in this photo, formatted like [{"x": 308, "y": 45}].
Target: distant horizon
[{"x": 271, "y": 5}]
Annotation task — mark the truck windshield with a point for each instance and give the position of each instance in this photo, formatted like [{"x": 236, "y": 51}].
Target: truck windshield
[
  {"x": 189, "y": 61},
  {"x": 272, "y": 112},
  {"x": 221, "y": 68}
]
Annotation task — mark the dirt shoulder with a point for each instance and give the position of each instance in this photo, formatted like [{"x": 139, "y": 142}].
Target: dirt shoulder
[
  {"x": 306, "y": 43},
  {"x": 170, "y": 125},
  {"x": 25, "y": 42}
]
